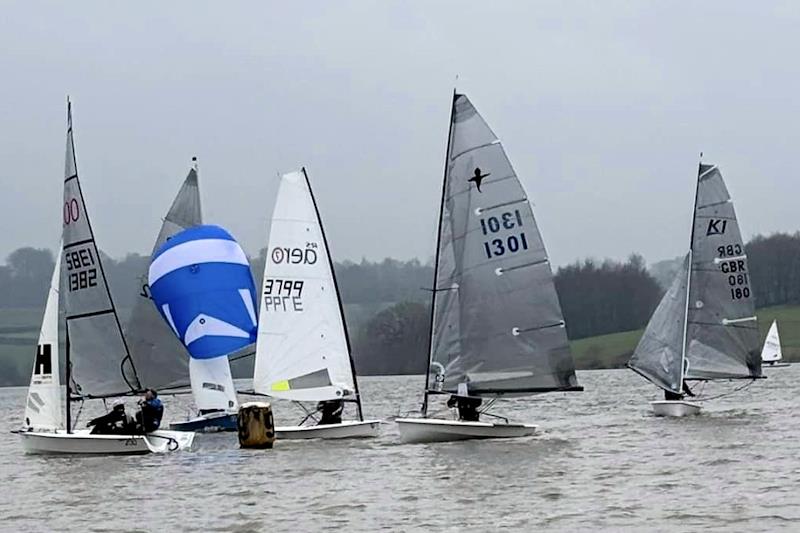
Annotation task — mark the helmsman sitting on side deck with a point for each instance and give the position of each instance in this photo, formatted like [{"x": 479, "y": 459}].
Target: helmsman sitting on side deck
[
  {"x": 331, "y": 412},
  {"x": 467, "y": 407},
  {"x": 151, "y": 410},
  {"x": 673, "y": 397},
  {"x": 114, "y": 422}
]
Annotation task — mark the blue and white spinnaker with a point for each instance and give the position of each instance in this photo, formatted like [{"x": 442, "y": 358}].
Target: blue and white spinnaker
[{"x": 200, "y": 280}]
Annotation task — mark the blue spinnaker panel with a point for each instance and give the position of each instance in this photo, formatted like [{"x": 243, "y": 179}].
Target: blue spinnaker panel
[{"x": 200, "y": 280}]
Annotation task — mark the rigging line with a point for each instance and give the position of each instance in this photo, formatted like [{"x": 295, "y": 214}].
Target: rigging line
[{"x": 723, "y": 395}]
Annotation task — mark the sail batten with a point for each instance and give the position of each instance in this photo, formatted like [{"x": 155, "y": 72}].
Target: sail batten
[{"x": 495, "y": 309}]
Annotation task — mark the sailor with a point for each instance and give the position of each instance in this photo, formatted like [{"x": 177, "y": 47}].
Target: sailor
[
  {"x": 115, "y": 421},
  {"x": 467, "y": 407},
  {"x": 674, "y": 397},
  {"x": 151, "y": 410},
  {"x": 331, "y": 411}
]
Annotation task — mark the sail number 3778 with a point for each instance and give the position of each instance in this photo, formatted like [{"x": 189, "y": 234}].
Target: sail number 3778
[{"x": 503, "y": 244}]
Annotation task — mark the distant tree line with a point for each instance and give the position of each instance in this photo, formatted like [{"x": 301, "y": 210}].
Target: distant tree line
[
  {"x": 606, "y": 297},
  {"x": 388, "y": 308},
  {"x": 774, "y": 264}
]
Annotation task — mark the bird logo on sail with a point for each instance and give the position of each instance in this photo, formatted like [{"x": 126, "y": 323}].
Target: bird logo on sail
[{"x": 478, "y": 178}]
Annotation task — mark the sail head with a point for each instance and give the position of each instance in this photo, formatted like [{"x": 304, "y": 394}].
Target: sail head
[
  {"x": 302, "y": 352},
  {"x": 722, "y": 329},
  {"x": 497, "y": 321}
]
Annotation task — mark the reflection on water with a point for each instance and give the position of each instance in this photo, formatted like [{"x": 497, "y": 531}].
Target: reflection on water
[{"x": 602, "y": 462}]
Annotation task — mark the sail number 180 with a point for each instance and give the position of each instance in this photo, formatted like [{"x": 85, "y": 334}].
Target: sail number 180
[{"x": 503, "y": 244}]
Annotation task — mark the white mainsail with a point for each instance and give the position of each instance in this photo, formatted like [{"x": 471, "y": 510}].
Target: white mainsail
[
  {"x": 43, "y": 408},
  {"x": 771, "y": 353},
  {"x": 302, "y": 351}
]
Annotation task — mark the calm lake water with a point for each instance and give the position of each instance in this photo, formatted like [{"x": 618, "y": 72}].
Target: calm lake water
[{"x": 602, "y": 462}]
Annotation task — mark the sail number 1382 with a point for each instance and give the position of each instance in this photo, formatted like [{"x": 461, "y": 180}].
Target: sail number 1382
[{"x": 503, "y": 244}]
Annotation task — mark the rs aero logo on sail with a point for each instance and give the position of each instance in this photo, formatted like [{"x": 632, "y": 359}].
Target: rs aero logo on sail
[{"x": 295, "y": 256}]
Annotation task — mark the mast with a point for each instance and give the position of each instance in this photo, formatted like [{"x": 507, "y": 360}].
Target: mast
[
  {"x": 436, "y": 257},
  {"x": 68, "y": 376},
  {"x": 689, "y": 276},
  {"x": 338, "y": 295}
]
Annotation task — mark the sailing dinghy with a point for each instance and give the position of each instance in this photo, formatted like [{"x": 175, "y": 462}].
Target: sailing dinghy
[
  {"x": 771, "y": 353},
  {"x": 303, "y": 350},
  {"x": 705, "y": 327},
  {"x": 162, "y": 360},
  {"x": 98, "y": 365},
  {"x": 496, "y": 324}
]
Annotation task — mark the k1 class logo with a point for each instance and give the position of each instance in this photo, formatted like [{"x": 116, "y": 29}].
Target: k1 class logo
[
  {"x": 295, "y": 256},
  {"x": 716, "y": 226}
]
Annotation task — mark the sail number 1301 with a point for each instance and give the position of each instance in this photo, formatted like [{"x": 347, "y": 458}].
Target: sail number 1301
[{"x": 507, "y": 243}]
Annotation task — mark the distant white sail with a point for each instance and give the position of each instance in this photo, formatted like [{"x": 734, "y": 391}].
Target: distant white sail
[
  {"x": 43, "y": 409},
  {"x": 771, "y": 352},
  {"x": 302, "y": 352}
]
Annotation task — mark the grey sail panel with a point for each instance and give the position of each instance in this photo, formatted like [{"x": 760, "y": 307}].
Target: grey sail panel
[
  {"x": 161, "y": 359},
  {"x": 659, "y": 354},
  {"x": 722, "y": 332},
  {"x": 497, "y": 322},
  {"x": 99, "y": 360}
]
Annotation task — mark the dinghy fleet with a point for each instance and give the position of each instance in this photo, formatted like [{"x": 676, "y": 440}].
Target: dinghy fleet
[{"x": 497, "y": 330}]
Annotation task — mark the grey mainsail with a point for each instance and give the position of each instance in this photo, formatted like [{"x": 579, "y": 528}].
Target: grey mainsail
[
  {"x": 659, "y": 354},
  {"x": 96, "y": 349},
  {"x": 722, "y": 330},
  {"x": 497, "y": 323},
  {"x": 161, "y": 359}
]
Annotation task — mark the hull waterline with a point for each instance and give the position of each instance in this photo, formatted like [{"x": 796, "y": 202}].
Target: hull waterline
[
  {"x": 84, "y": 443},
  {"x": 208, "y": 424},
  {"x": 420, "y": 430},
  {"x": 349, "y": 429},
  {"x": 675, "y": 408}
]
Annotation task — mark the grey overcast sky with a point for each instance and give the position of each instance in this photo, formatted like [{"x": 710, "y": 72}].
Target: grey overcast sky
[{"x": 603, "y": 108}]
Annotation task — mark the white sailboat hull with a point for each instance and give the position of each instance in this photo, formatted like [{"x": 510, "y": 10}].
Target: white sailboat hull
[
  {"x": 349, "y": 429},
  {"x": 419, "y": 430},
  {"x": 83, "y": 442},
  {"x": 675, "y": 408},
  {"x": 774, "y": 365}
]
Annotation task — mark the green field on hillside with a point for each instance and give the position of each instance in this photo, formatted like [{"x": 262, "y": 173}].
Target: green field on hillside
[{"x": 614, "y": 350}]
